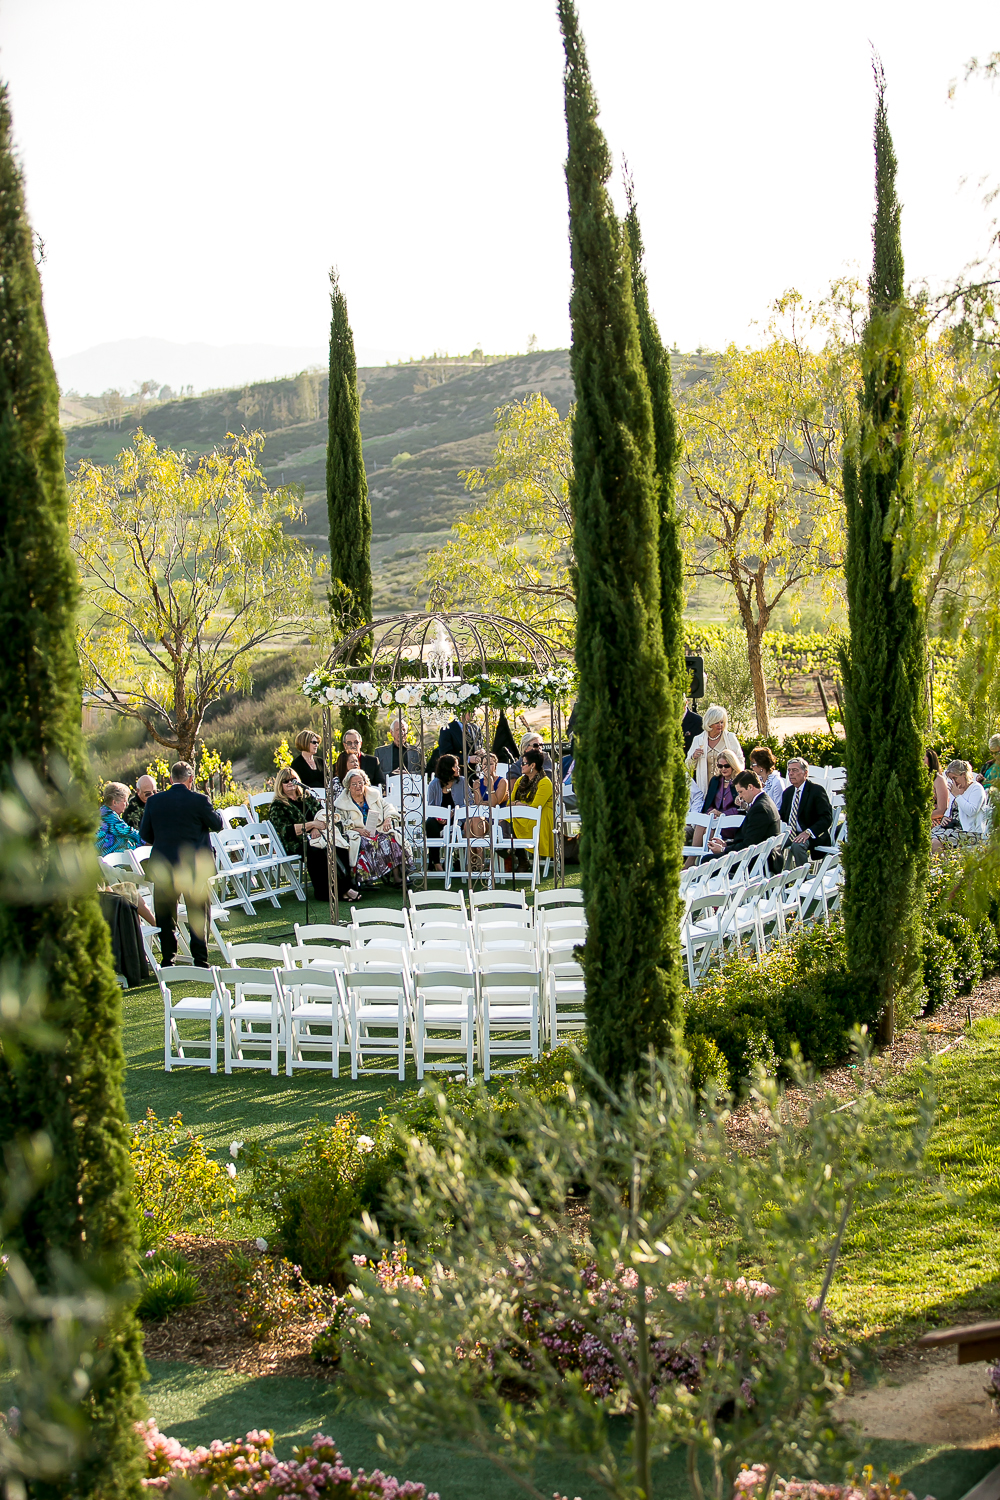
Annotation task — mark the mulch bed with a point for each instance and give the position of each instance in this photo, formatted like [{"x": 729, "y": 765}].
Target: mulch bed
[{"x": 211, "y": 1334}]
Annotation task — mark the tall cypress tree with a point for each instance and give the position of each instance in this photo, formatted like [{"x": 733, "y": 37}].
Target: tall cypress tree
[
  {"x": 83, "y": 1210},
  {"x": 347, "y": 498},
  {"x": 625, "y": 709},
  {"x": 886, "y": 858},
  {"x": 656, "y": 362}
]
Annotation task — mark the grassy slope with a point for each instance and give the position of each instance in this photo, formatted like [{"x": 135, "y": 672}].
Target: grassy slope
[{"x": 929, "y": 1252}]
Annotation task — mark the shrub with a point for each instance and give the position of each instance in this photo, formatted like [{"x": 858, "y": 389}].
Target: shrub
[
  {"x": 248, "y": 1467},
  {"x": 317, "y": 1194},
  {"x": 271, "y": 1292},
  {"x": 167, "y": 1283},
  {"x": 706, "y": 1063},
  {"x": 967, "y": 960},
  {"x": 939, "y": 970},
  {"x": 174, "y": 1178}
]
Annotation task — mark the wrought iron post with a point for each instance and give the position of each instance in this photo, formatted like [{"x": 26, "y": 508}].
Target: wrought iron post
[{"x": 331, "y": 832}]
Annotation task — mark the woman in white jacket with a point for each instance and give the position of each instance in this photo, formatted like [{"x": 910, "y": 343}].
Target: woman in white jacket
[
  {"x": 705, "y": 747},
  {"x": 371, "y": 826}
]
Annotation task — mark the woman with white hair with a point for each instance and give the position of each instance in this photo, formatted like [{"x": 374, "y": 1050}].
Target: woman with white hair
[
  {"x": 964, "y": 823},
  {"x": 375, "y": 843},
  {"x": 715, "y": 739},
  {"x": 991, "y": 770}
]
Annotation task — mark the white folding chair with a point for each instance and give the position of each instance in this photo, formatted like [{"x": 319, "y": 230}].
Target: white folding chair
[
  {"x": 509, "y": 1012},
  {"x": 235, "y": 875},
  {"x": 252, "y": 1008},
  {"x": 315, "y": 1019},
  {"x": 278, "y": 869},
  {"x": 481, "y": 901},
  {"x": 234, "y": 817},
  {"x": 695, "y": 821},
  {"x": 188, "y": 1007},
  {"x": 444, "y": 1004},
  {"x": 568, "y": 896},
  {"x": 566, "y": 994},
  {"x": 701, "y": 933},
  {"x": 386, "y": 916},
  {"x": 320, "y": 932},
  {"x": 429, "y": 900},
  {"x": 741, "y": 918},
  {"x": 258, "y": 800},
  {"x": 512, "y": 845},
  {"x": 378, "y": 1016}
]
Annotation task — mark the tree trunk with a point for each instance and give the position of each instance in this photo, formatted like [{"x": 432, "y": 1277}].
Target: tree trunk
[{"x": 760, "y": 703}]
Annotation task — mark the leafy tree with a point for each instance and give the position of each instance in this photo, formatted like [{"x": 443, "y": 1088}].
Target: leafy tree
[
  {"x": 888, "y": 790},
  {"x": 627, "y": 856},
  {"x": 645, "y": 1309},
  {"x": 187, "y": 571},
  {"x": 65, "y": 1099},
  {"x": 761, "y": 460},
  {"x": 512, "y": 555},
  {"x": 347, "y": 499}
]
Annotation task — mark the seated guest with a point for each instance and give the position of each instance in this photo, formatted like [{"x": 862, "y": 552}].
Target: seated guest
[
  {"x": 806, "y": 809},
  {"x": 691, "y": 724},
  {"x": 308, "y": 764},
  {"x": 370, "y": 825},
  {"x": 991, "y": 770},
  {"x": 534, "y": 742},
  {"x": 942, "y": 796},
  {"x": 761, "y": 821},
  {"x": 963, "y": 823},
  {"x": 388, "y": 755},
  {"x": 145, "y": 788},
  {"x": 719, "y": 797},
  {"x": 114, "y": 834},
  {"x": 352, "y": 745},
  {"x": 294, "y": 813},
  {"x": 534, "y": 788},
  {"x": 714, "y": 740},
  {"x": 447, "y": 789},
  {"x": 763, "y": 762}
]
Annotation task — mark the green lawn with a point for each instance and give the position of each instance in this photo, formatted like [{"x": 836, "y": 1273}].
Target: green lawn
[
  {"x": 196, "y": 1405},
  {"x": 930, "y": 1252}
]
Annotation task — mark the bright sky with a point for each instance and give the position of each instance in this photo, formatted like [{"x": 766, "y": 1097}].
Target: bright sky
[{"x": 195, "y": 166}]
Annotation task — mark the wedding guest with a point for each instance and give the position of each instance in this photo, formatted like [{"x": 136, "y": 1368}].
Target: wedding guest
[
  {"x": 369, "y": 823},
  {"x": 308, "y": 764},
  {"x": 762, "y": 761},
  {"x": 145, "y": 788},
  {"x": 114, "y": 834},
  {"x": 295, "y": 813},
  {"x": 715, "y": 739}
]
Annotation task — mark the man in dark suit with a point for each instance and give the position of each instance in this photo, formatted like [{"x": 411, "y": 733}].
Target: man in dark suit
[
  {"x": 761, "y": 821},
  {"x": 691, "y": 724},
  {"x": 807, "y": 810},
  {"x": 368, "y": 763},
  {"x": 177, "y": 823},
  {"x": 450, "y": 742}
]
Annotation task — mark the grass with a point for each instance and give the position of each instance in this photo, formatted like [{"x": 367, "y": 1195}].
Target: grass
[
  {"x": 929, "y": 1251},
  {"x": 196, "y": 1405}
]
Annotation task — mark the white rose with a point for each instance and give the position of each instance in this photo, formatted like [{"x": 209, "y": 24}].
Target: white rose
[
  {"x": 402, "y": 696},
  {"x": 231, "y": 1168},
  {"x": 235, "y": 1147},
  {"x": 386, "y": 697},
  {"x": 331, "y": 695},
  {"x": 365, "y": 1143},
  {"x": 467, "y": 691},
  {"x": 261, "y": 1244}
]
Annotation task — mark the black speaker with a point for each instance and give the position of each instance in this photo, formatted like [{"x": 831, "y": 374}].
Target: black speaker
[{"x": 696, "y": 666}]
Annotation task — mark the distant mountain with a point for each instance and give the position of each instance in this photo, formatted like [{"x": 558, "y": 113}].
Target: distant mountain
[{"x": 124, "y": 365}]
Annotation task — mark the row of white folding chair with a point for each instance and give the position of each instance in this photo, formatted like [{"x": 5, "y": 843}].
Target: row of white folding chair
[
  {"x": 714, "y": 824},
  {"x": 496, "y": 843},
  {"x": 242, "y": 880},
  {"x": 131, "y": 863}
]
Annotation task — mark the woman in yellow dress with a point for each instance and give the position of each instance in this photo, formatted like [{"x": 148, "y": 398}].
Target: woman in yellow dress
[{"x": 534, "y": 788}]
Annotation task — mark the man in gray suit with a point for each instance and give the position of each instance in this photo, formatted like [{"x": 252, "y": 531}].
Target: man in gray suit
[{"x": 388, "y": 755}]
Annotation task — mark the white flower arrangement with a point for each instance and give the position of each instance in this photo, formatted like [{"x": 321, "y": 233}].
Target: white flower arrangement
[{"x": 534, "y": 691}]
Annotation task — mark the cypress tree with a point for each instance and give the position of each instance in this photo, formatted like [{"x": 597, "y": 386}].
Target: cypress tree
[
  {"x": 656, "y": 363},
  {"x": 347, "y": 499},
  {"x": 888, "y": 791},
  {"x": 83, "y": 1211},
  {"x": 624, "y": 708}
]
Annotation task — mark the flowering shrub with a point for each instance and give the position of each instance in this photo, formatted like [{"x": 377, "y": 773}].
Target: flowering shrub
[
  {"x": 271, "y": 1291},
  {"x": 318, "y": 1193},
  {"x": 391, "y": 1272},
  {"x": 750, "y": 1485},
  {"x": 248, "y": 1467},
  {"x": 174, "y": 1178}
]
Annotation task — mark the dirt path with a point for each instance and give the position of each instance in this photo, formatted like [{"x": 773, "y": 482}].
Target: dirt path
[{"x": 926, "y": 1398}]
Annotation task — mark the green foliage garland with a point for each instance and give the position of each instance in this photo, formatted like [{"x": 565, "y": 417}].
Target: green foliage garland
[
  {"x": 625, "y": 698},
  {"x": 888, "y": 789},
  {"x": 71, "y": 1097},
  {"x": 347, "y": 497}
]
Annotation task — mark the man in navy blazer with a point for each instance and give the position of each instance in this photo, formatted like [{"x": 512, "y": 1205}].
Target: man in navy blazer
[
  {"x": 807, "y": 810},
  {"x": 761, "y": 821},
  {"x": 177, "y": 823}
]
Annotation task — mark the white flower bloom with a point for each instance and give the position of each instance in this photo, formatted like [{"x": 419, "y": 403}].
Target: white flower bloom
[
  {"x": 386, "y": 697},
  {"x": 235, "y": 1147},
  {"x": 467, "y": 690},
  {"x": 365, "y": 1143},
  {"x": 359, "y": 1260},
  {"x": 402, "y": 695},
  {"x": 261, "y": 1244},
  {"x": 331, "y": 695},
  {"x": 231, "y": 1168}
]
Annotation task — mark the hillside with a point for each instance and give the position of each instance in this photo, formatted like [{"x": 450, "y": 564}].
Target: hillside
[{"x": 422, "y": 424}]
